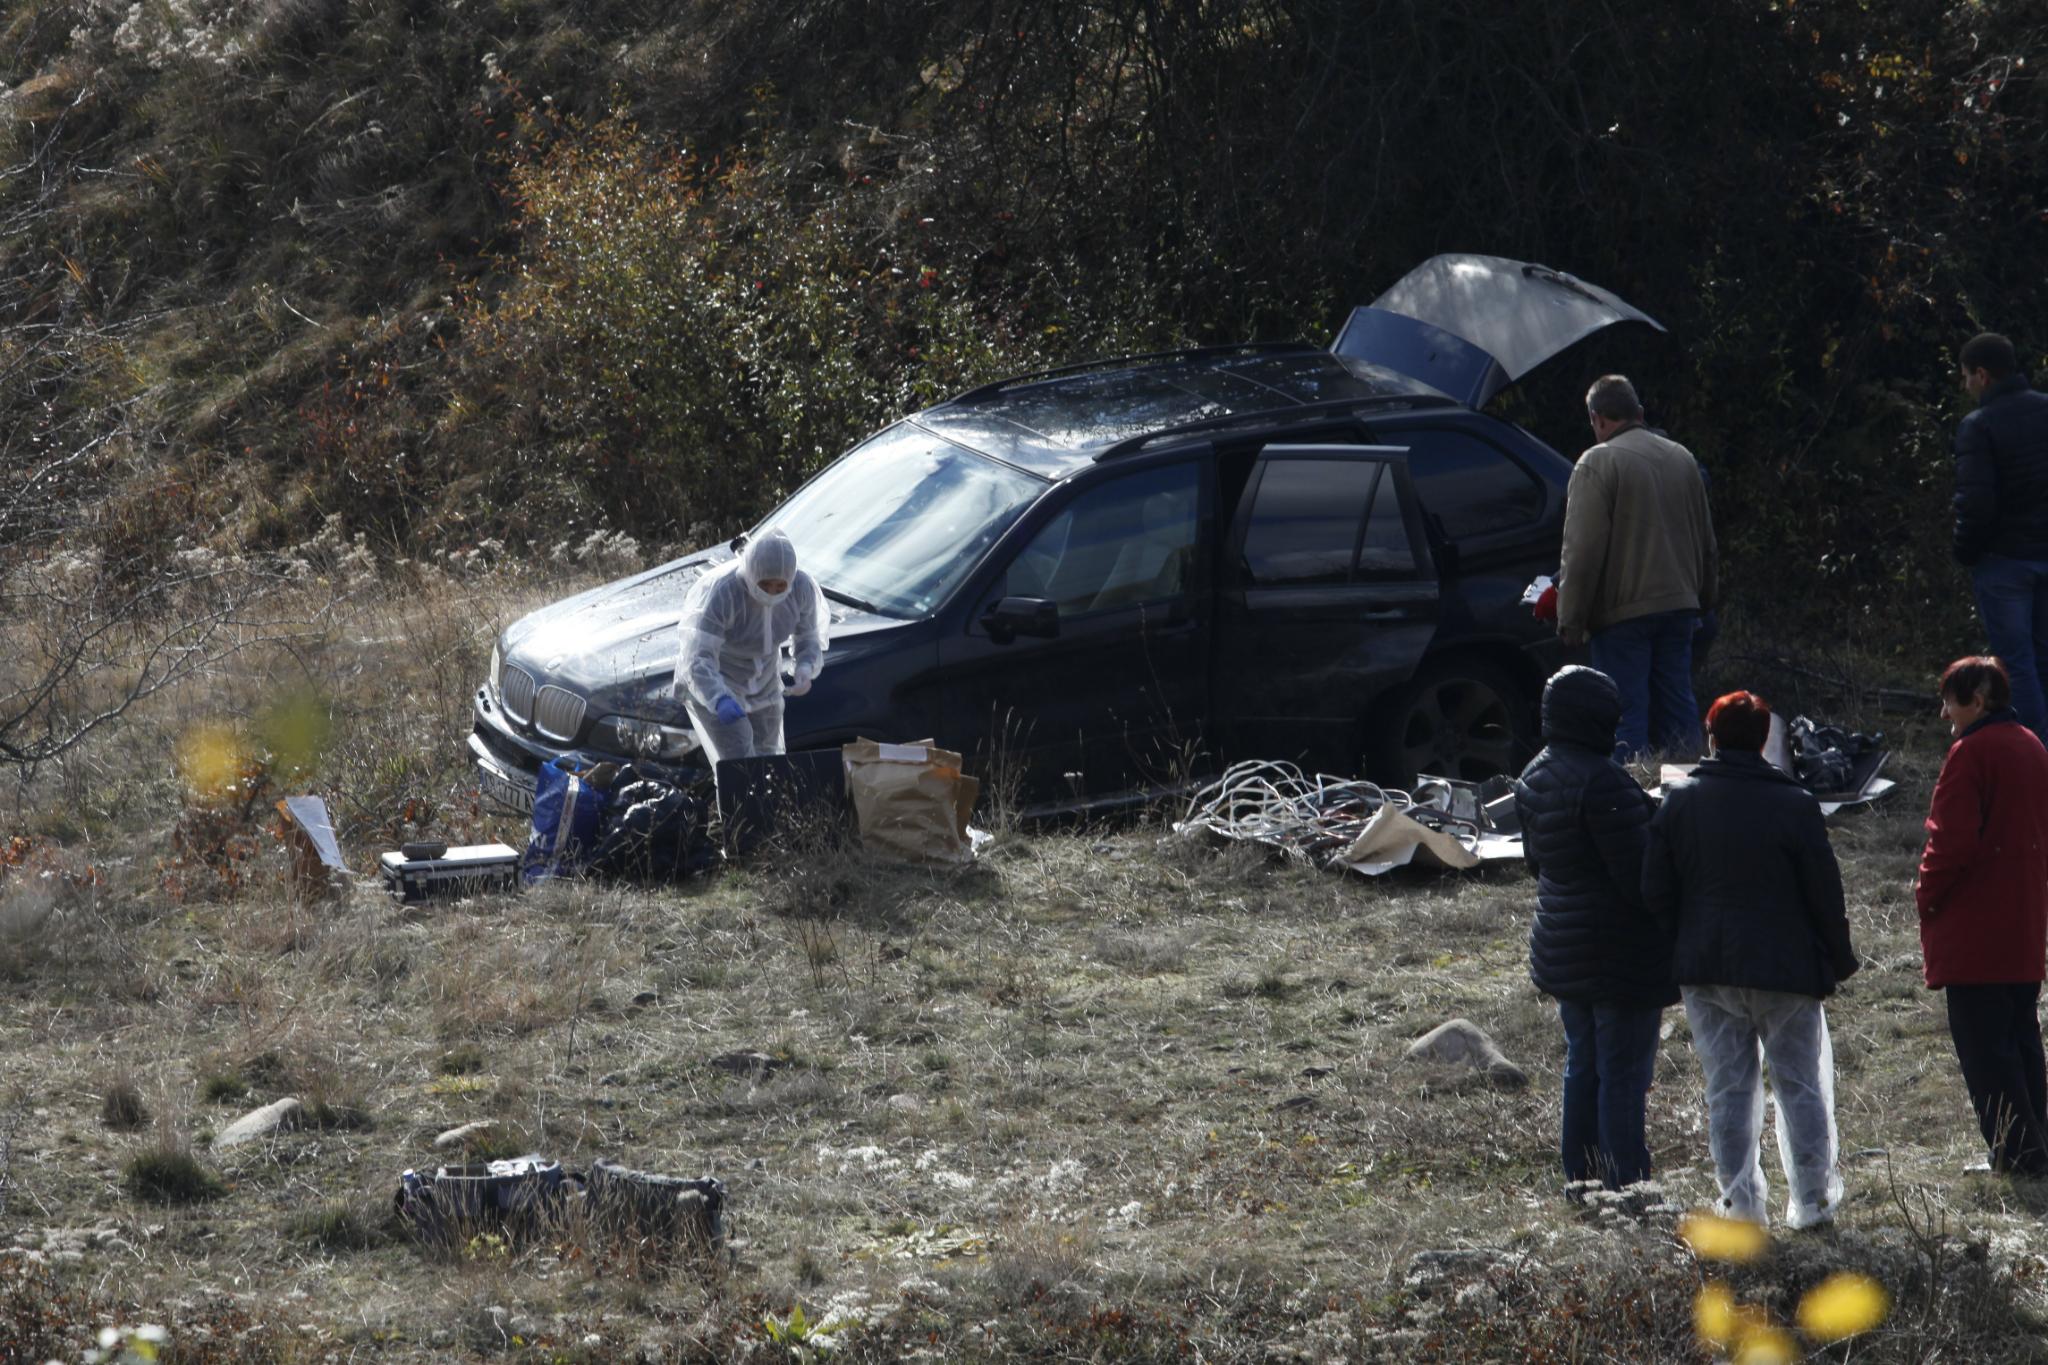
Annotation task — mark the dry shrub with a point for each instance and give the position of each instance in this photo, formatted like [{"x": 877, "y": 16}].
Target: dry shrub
[
  {"x": 170, "y": 1174},
  {"x": 42, "y": 1318},
  {"x": 1142, "y": 954},
  {"x": 510, "y": 986},
  {"x": 787, "y": 1093},
  {"x": 1037, "y": 1258},
  {"x": 121, "y": 1106}
]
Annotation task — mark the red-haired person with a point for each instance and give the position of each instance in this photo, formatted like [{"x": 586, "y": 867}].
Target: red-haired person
[
  {"x": 1983, "y": 898},
  {"x": 1739, "y": 861}
]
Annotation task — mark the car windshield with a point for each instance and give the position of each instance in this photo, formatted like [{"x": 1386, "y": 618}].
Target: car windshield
[{"x": 896, "y": 523}]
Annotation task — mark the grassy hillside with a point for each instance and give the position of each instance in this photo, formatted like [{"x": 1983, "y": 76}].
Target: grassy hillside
[
  {"x": 454, "y": 273},
  {"x": 1105, "y": 1096}
]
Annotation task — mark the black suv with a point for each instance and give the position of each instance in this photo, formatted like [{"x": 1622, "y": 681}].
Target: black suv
[{"x": 1111, "y": 579}]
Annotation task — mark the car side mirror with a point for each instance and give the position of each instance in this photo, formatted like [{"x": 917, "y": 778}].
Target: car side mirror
[{"x": 1014, "y": 616}]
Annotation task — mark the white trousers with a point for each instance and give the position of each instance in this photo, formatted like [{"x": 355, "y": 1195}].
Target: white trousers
[
  {"x": 751, "y": 736},
  {"x": 1735, "y": 1030}
]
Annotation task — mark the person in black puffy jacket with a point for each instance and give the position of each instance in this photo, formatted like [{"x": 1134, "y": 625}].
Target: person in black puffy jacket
[
  {"x": 2002, "y": 515},
  {"x": 1739, "y": 860},
  {"x": 1594, "y": 947}
]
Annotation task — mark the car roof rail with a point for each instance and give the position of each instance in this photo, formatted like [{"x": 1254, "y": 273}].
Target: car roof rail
[
  {"x": 1334, "y": 407},
  {"x": 1126, "y": 362}
]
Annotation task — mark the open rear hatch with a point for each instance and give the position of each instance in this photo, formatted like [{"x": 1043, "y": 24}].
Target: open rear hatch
[{"x": 1469, "y": 326}]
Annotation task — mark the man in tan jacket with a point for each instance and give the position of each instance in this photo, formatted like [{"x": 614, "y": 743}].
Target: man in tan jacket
[{"x": 1638, "y": 568}]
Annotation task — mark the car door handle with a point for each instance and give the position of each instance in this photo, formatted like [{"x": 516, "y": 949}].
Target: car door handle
[{"x": 1389, "y": 614}]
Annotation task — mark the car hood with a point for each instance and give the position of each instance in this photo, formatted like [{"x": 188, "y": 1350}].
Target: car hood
[
  {"x": 1472, "y": 325},
  {"x": 617, "y": 642}
]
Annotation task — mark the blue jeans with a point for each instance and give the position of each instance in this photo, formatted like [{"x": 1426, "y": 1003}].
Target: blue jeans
[
  {"x": 1650, "y": 660},
  {"x": 1610, "y": 1055},
  {"x": 2012, "y": 599}
]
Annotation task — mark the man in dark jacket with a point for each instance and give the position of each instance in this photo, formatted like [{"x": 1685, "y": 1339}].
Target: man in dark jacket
[
  {"x": 1739, "y": 863},
  {"x": 1593, "y": 947},
  {"x": 2002, "y": 515}
]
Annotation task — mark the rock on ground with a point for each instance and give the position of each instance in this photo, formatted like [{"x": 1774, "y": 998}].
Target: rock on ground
[
  {"x": 463, "y": 1136},
  {"x": 1462, "y": 1042},
  {"x": 280, "y": 1117}
]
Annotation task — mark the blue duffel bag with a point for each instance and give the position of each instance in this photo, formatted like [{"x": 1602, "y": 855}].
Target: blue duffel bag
[{"x": 567, "y": 814}]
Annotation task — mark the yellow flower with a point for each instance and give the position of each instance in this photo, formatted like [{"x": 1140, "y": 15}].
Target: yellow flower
[
  {"x": 210, "y": 760},
  {"x": 1713, "y": 1314},
  {"x": 1766, "y": 1346},
  {"x": 296, "y": 731},
  {"x": 1723, "y": 1239},
  {"x": 1843, "y": 1305}
]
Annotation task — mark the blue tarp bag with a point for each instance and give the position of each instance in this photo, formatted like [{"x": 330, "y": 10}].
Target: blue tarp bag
[{"x": 567, "y": 812}]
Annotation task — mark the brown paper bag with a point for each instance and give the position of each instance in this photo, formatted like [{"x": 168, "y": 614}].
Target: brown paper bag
[{"x": 911, "y": 800}]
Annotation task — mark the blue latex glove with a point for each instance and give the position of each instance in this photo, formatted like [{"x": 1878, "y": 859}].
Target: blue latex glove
[{"x": 730, "y": 711}]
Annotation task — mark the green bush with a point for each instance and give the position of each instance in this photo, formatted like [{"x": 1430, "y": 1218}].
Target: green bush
[
  {"x": 684, "y": 343},
  {"x": 223, "y": 1088},
  {"x": 169, "y": 1176},
  {"x": 122, "y": 1108}
]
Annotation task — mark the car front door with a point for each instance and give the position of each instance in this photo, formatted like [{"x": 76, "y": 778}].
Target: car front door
[
  {"x": 1329, "y": 599},
  {"x": 1108, "y": 693}
]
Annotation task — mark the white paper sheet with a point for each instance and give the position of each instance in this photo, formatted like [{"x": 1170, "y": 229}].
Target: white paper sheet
[
  {"x": 1392, "y": 839},
  {"x": 309, "y": 813}
]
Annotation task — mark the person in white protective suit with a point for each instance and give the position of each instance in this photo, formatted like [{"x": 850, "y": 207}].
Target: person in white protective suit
[
  {"x": 729, "y": 647},
  {"x": 1740, "y": 859}
]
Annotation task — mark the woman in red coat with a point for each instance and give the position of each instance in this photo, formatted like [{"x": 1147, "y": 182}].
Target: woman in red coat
[{"x": 1983, "y": 899}]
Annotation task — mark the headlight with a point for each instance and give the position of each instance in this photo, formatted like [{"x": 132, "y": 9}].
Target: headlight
[
  {"x": 643, "y": 738},
  {"x": 496, "y": 664}
]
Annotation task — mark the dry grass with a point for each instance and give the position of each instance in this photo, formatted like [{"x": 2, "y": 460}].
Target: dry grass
[{"x": 1103, "y": 1096}]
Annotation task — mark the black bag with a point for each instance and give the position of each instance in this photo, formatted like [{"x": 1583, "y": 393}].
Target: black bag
[
  {"x": 1828, "y": 760},
  {"x": 665, "y": 1208},
  {"x": 515, "y": 1198},
  {"x": 531, "y": 1196},
  {"x": 654, "y": 832}
]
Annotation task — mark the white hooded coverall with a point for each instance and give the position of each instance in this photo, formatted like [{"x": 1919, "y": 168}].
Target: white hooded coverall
[
  {"x": 1735, "y": 1030},
  {"x": 729, "y": 644}
]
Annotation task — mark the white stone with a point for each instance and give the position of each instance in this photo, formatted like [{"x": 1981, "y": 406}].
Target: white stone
[
  {"x": 280, "y": 1117},
  {"x": 1462, "y": 1042},
  {"x": 464, "y": 1135}
]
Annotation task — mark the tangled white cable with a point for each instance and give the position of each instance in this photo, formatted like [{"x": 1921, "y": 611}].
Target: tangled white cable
[{"x": 1274, "y": 803}]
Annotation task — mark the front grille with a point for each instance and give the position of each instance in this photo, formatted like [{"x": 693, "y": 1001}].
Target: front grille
[
  {"x": 516, "y": 694},
  {"x": 558, "y": 713}
]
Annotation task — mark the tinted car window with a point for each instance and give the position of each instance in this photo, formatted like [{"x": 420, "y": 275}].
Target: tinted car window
[
  {"x": 1386, "y": 551},
  {"x": 1471, "y": 487},
  {"x": 1304, "y": 523},
  {"x": 1119, "y": 545}
]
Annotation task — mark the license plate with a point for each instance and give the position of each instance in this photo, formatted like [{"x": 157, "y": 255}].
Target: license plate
[{"x": 504, "y": 792}]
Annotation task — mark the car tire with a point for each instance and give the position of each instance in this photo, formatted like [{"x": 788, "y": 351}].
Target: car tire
[{"x": 1462, "y": 718}]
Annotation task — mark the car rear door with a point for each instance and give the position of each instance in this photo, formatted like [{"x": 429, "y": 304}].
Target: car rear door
[
  {"x": 1329, "y": 599},
  {"x": 1118, "y": 695},
  {"x": 1471, "y": 325}
]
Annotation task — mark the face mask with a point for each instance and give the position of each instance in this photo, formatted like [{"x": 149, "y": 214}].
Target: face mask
[{"x": 761, "y": 594}]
